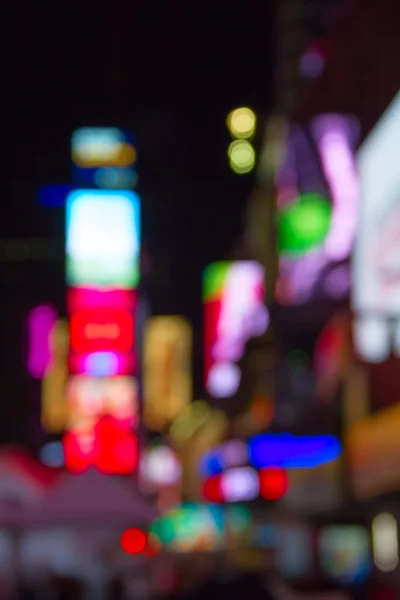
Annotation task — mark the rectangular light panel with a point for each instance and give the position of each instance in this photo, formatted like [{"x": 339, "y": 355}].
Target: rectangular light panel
[{"x": 103, "y": 239}]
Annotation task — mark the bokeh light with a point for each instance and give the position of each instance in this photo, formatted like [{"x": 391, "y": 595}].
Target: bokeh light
[
  {"x": 274, "y": 483},
  {"x": 241, "y": 122},
  {"x": 242, "y": 156},
  {"x": 133, "y": 541}
]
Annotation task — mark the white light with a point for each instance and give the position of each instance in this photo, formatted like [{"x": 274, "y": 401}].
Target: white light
[
  {"x": 223, "y": 380},
  {"x": 102, "y": 238},
  {"x": 372, "y": 339},
  {"x": 385, "y": 542},
  {"x": 240, "y": 484},
  {"x": 160, "y": 466},
  {"x": 376, "y": 262}
]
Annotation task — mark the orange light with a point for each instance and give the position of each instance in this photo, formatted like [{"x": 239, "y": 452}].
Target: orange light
[{"x": 133, "y": 541}]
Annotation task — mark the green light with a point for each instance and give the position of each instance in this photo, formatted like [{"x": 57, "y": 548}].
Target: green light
[
  {"x": 214, "y": 280},
  {"x": 304, "y": 225}
]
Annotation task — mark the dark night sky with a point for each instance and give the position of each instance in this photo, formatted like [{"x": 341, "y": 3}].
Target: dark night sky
[{"x": 170, "y": 72}]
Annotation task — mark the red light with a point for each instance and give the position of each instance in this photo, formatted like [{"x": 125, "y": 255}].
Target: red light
[
  {"x": 78, "y": 453},
  {"x": 274, "y": 483},
  {"x": 133, "y": 541},
  {"x": 212, "y": 490},
  {"x": 82, "y": 298},
  {"x": 101, "y": 329},
  {"x": 153, "y": 546},
  {"x": 116, "y": 448}
]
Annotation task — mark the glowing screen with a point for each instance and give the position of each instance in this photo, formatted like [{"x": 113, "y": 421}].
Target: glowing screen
[
  {"x": 167, "y": 381},
  {"x": 103, "y": 238},
  {"x": 234, "y": 312},
  {"x": 376, "y": 264}
]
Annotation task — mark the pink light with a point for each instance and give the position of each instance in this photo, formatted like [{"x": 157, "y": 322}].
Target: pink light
[
  {"x": 41, "y": 321},
  {"x": 241, "y": 484},
  {"x": 339, "y": 168},
  {"x": 82, "y": 298}
]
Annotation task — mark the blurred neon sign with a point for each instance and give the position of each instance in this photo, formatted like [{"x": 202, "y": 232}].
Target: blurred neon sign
[
  {"x": 41, "y": 322},
  {"x": 289, "y": 451},
  {"x": 234, "y": 312},
  {"x": 103, "y": 239}
]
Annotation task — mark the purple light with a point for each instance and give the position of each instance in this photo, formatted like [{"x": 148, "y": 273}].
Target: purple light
[
  {"x": 241, "y": 484},
  {"x": 41, "y": 321},
  {"x": 339, "y": 167},
  {"x": 290, "y": 451},
  {"x": 312, "y": 64},
  {"x": 337, "y": 283}
]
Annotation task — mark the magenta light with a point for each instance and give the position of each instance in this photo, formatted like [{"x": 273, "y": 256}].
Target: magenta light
[{"x": 41, "y": 321}]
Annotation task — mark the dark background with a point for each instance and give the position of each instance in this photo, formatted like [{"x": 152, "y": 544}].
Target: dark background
[{"x": 170, "y": 72}]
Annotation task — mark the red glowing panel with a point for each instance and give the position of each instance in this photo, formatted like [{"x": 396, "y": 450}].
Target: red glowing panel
[
  {"x": 212, "y": 489},
  {"x": 116, "y": 448},
  {"x": 101, "y": 329},
  {"x": 274, "y": 483},
  {"x": 133, "y": 541},
  {"x": 91, "y": 398},
  {"x": 82, "y": 298},
  {"x": 109, "y": 447}
]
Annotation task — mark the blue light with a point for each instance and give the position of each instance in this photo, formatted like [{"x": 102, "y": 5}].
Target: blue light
[
  {"x": 52, "y": 196},
  {"x": 212, "y": 464},
  {"x": 101, "y": 364},
  {"x": 291, "y": 451}
]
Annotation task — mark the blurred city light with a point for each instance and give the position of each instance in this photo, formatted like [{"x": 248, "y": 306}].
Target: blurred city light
[
  {"x": 52, "y": 454},
  {"x": 241, "y": 123},
  {"x": 234, "y": 312},
  {"x": 133, "y": 541},
  {"x": 345, "y": 553},
  {"x": 159, "y": 468},
  {"x": 290, "y": 451},
  {"x": 167, "y": 377},
  {"x": 41, "y": 321},
  {"x": 97, "y": 146},
  {"x": 304, "y": 225},
  {"x": 233, "y": 453},
  {"x": 242, "y": 156},
  {"x": 54, "y": 412},
  {"x": 375, "y": 293},
  {"x": 240, "y": 484},
  {"x": 312, "y": 63},
  {"x": 103, "y": 229},
  {"x": 274, "y": 483},
  {"x": 189, "y": 421},
  {"x": 53, "y": 196},
  {"x": 385, "y": 542},
  {"x": 372, "y": 338}
]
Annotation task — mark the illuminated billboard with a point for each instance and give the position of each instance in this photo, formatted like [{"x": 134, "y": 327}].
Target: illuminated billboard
[
  {"x": 234, "y": 312},
  {"x": 103, "y": 239},
  {"x": 376, "y": 263},
  {"x": 317, "y": 210},
  {"x": 167, "y": 370},
  {"x": 102, "y": 416}
]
